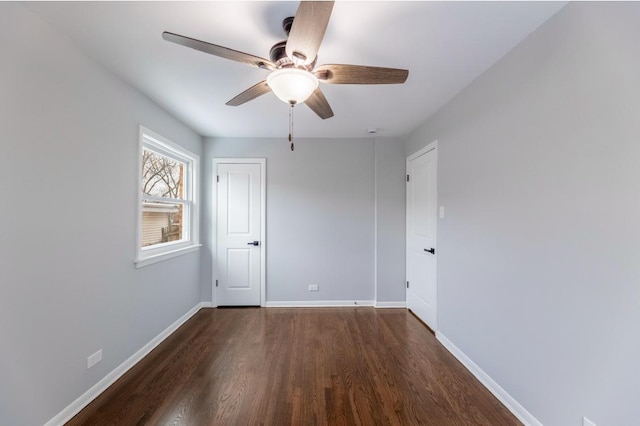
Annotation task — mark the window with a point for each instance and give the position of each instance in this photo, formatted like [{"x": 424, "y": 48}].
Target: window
[{"x": 168, "y": 210}]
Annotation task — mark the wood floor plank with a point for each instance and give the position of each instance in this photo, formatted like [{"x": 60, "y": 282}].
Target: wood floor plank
[{"x": 307, "y": 366}]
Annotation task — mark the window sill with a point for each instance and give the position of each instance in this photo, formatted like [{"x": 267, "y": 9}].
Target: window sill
[{"x": 150, "y": 260}]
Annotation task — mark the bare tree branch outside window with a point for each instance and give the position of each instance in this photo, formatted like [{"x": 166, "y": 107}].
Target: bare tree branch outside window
[{"x": 161, "y": 177}]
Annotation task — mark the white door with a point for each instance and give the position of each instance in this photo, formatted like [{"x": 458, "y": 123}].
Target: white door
[
  {"x": 239, "y": 232},
  {"x": 421, "y": 235}
]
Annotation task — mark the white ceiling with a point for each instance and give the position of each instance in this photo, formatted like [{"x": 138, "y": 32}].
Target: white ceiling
[{"x": 444, "y": 45}]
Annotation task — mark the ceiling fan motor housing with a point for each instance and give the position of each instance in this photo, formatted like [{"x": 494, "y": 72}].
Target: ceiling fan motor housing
[
  {"x": 278, "y": 53},
  {"x": 278, "y": 56}
]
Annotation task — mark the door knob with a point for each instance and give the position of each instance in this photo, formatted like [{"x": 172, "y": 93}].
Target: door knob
[
  {"x": 254, "y": 243},
  {"x": 431, "y": 250}
]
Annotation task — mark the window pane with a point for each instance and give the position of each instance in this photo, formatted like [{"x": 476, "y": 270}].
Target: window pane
[
  {"x": 161, "y": 223},
  {"x": 162, "y": 176}
]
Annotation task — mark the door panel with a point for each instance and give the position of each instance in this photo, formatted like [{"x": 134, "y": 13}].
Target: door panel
[
  {"x": 421, "y": 237},
  {"x": 239, "y": 225},
  {"x": 239, "y": 204},
  {"x": 239, "y": 268}
]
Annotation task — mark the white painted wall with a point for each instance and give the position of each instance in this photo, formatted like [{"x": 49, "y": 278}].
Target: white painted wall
[
  {"x": 539, "y": 278},
  {"x": 320, "y": 217},
  {"x": 68, "y": 286}
]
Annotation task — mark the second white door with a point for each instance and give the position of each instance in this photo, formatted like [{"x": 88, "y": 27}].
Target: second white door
[
  {"x": 421, "y": 235},
  {"x": 239, "y": 245}
]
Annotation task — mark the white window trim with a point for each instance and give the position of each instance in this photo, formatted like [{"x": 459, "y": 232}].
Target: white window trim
[{"x": 160, "y": 252}]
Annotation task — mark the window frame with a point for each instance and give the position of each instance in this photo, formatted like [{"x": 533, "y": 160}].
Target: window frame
[{"x": 191, "y": 218}]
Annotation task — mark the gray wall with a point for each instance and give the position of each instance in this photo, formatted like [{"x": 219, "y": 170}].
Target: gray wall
[
  {"x": 538, "y": 253},
  {"x": 321, "y": 210},
  {"x": 68, "y": 286},
  {"x": 390, "y": 193}
]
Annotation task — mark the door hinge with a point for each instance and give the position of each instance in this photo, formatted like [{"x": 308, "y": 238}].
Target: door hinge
[
  {"x": 407, "y": 178},
  {"x": 217, "y": 178},
  {"x": 407, "y": 284},
  {"x": 216, "y": 283}
]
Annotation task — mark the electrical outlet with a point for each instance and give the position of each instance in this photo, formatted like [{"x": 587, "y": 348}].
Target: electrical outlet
[
  {"x": 587, "y": 422},
  {"x": 313, "y": 287},
  {"x": 94, "y": 359}
]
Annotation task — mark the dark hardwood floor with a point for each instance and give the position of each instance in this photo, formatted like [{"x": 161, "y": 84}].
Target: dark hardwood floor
[{"x": 342, "y": 366}]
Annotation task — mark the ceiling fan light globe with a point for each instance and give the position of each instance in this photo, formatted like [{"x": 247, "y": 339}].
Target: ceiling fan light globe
[{"x": 292, "y": 85}]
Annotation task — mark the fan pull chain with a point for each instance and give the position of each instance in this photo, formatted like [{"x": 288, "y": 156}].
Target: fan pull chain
[{"x": 291, "y": 126}]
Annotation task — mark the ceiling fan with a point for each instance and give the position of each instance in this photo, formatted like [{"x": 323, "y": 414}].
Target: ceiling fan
[{"x": 294, "y": 76}]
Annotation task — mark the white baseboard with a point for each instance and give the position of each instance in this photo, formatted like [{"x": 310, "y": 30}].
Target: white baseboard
[
  {"x": 399, "y": 304},
  {"x": 319, "y": 303},
  {"x": 74, "y": 408},
  {"x": 512, "y": 405}
]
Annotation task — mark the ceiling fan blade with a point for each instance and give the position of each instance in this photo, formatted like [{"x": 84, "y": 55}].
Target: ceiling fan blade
[
  {"x": 223, "y": 52},
  {"x": 307, "y": 31},
  {"x": 358, "y": 74},
  {"x": 251, "y": 93},
  {"x": 318, "y": 104}
]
